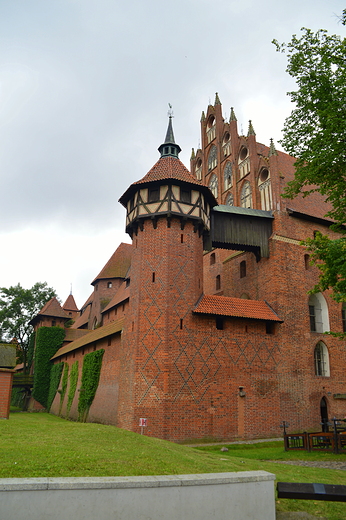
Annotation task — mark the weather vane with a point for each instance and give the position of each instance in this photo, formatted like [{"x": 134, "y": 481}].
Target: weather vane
[{"x": 170, "y": 111}]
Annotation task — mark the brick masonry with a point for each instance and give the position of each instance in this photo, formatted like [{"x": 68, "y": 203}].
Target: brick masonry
[{"x": 187, "y": 376}]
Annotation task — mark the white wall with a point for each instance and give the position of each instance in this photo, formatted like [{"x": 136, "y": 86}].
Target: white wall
[{"x": 245, "y": 495}]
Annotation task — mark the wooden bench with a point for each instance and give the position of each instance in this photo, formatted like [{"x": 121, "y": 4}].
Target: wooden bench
[{"x": 302, "y": 491}]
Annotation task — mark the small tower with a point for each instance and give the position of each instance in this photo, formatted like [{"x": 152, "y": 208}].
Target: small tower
[{"x": 168, "y": 213}]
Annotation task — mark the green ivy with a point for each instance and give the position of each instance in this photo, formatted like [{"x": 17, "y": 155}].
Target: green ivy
[
  {"x": 73, "y": 385},
  {"x": 90, "y": 379},
  {"x": 48, "y": 342},
  {"x": 63, "y": 386},
  {"x": 31, "y": 350},
  {"x": 55, "y": 376}
]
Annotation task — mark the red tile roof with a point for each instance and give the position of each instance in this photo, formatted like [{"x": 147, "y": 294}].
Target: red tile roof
[
  {"x": 91, "y": 337},
  {"x": 118, "y": 264},
  {"x": 70, "y": 304},
  {"x": 169, "y": 168},
  {"x": 54, "y": 309},
  {"x": 236, "y": 307},
  {"x": 123, "y": 293}
]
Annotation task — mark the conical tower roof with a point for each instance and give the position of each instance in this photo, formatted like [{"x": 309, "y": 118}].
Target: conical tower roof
[
  {"x": 70, "y": 304},
  {"x": 168, "y": 167}
]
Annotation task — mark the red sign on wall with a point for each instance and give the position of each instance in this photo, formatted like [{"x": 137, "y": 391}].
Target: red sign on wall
[{"x": 142, "y": 422}]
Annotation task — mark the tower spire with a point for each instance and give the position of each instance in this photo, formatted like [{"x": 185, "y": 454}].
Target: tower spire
[{"x": 169, "y": 148}]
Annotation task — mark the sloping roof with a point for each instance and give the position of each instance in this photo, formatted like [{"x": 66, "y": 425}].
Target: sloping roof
[
  {"x": 73, "y": 334},
  {"x": 52, "y": 309},
  {"x": 93, "y": 335},
  {"x": 82, "y": 320},
  {"x": 118, "y": 264},
  {"x": 123, "y": 293},
  {"x": 249, "y": 212},
  {"x": 70, "y": 304},
  {"x": 236, "y": 307},
  {"x": 167, "y": 168}
]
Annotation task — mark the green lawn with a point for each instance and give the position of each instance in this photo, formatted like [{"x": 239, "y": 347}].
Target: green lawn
[{"x": 42, "y": 445}]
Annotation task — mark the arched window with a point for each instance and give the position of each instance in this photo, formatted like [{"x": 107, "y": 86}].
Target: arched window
[
  {"x": 229, "y": 200},
  {"x": 218, "y": 282},
  {"x": 318, "y": 312},
  {"x": 307, "y": 262},
  {"x": 227, "y": 175},
  {"x": 242, "y": 269},
  {"x": 321, "y": 358},
  {"x": 211, "y": 128},
  {"x": 198, "y": 170},
  {"x": 213, "y": 185},
  {"x": 212, "y": 259},
  {"x": 212, "y": 158},
  {"x": 246, "y": 196},
  {"x": 265, "y": 189}
]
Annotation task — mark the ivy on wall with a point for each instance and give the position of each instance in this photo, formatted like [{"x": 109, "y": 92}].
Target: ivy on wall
[
  {"x": 90, "y": 379},
  {"x": 63, "y": 386},
  {"x": 48, "y": 342},
  {"x": 55, "y": 376},
  {"x": 31, "y": 349},
  {"x": 73, "y": 385}
]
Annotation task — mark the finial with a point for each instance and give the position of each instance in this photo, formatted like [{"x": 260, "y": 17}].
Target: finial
[
  {"x": 71, "y": 289},
  {"x": 170, "y": 111},
  {"x": 272, "y": 149},
  {"x": 203, "y": 116},
  {"x": 232, "y": 116},
  {"x": 251, "y": 130},
  {"x": 217, "y": 99},
  {"x": 193, "y": 156}
]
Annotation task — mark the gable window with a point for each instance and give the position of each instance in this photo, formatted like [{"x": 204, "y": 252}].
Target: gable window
[
  {"x": 213, "y": 185},
  {"x": 198, "y": 170},
  {"x": 242, "y": 269},
  {"x": 246, "y": 195},
  {"x": 227, "y": 175},
  {"x": 212, "y": 158},
  {"x": 229, "y": 200},
  {"x": 318, "y": 313},
  {"x": 321, "y": 358},
  {"x": 153, "y": 194}
]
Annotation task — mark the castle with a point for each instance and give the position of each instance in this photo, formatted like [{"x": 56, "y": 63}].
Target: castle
[{"x": 205, "y": 320}]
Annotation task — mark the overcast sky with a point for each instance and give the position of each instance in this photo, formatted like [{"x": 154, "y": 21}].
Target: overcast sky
[{"x": 84, "y": 93}]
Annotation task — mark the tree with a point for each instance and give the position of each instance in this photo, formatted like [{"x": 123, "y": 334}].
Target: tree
[
  {"x": 315, "y": 133},
  {"x": 17, "y": 307}
]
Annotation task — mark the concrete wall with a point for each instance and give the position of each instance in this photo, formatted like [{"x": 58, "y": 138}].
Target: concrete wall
[{"x": 219, "y": 496}]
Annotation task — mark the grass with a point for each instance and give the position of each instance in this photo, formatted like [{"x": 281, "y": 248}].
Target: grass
[{"x": 42, "y": 445}]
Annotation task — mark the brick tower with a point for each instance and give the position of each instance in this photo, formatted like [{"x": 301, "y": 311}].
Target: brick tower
[{"x": 168, "y": 215}]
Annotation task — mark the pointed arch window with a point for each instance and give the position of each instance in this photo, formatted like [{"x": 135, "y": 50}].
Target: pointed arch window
[
  {"x": 246, "y": 195},
  {"x": 318, "y": 313},
  {"x": 211, "y": 129},
  {"x": 212, "y": 158},
  {"x": 264, "y": 187},
  {"x": 213, "y": 185},
  {"x": 229, "y": 200},
  {"x": 227, "y": 175},
  {"x": 321, "y": 358}
]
